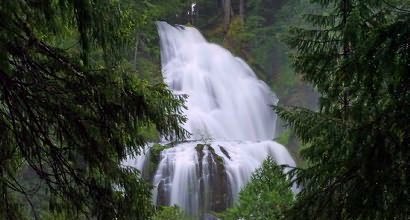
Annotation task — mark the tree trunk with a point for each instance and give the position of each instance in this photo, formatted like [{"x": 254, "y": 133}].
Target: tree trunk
[
  {"x": 227, "y": 13},
  {"x": 242, "y": 10}
]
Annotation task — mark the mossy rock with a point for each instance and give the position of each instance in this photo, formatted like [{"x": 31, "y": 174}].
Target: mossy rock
[
  {"x": 200, "y": 147},
  {"x": 155, "y": 157}
]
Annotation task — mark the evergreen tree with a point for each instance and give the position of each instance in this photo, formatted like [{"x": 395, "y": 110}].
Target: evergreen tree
[
  {"x": 356, "y": 53},
  {"x": 266, "y": 196},
  {"x": 73, "y": 120}
]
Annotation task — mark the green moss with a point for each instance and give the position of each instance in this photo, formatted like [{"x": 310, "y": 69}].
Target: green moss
[
  {"x": 218, "y": 158},
  {"x": 155, "y": 156},
  {"x": 199, "y": 147}
]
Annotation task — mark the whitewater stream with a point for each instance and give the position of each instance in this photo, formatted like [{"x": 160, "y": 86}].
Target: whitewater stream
[{"x": 229, "y": 116}]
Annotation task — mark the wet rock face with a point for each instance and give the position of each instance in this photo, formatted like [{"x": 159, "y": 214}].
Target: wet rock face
[
  {"x": 215, "y": 194},
  {"x": 163, "y": 195},
  {"x": 212, "y": 188},
  {"x": 203, "y": 178},
  {"x": 224, "y": 151},
  {"x": 150, "y": 168},
  {"x": 150, "y": 165}
]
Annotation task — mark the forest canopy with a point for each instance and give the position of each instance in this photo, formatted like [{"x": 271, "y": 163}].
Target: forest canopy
[
  {"x": 357, "y": 56},
  {"x": 71, "y": 109}
]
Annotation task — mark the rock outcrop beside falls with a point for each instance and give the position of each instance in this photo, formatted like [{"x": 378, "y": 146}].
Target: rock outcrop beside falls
[
  {"x": 213, "y": 179},
  {"x": 215, "y": 194}
]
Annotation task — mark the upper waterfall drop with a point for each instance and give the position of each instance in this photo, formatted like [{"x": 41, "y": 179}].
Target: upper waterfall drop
[
  {"x": 225, "y": 101},
  {"x": 231, "y": 120}
]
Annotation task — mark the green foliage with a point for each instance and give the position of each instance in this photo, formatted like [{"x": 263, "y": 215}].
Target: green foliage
[
  {"x": 258, "y": 39},
  {"x": 150, "y": 133},
  {"x": 170, "y": 213},
  {"x": 155, "y": 151},
  {"x": 59, "y": 216},
  {"x": 266, "y": 196},
  {"x": 356, "y": 54},
  {"x": 155, "y": 156},
  {"x": 144, "y": 52},
  {"x": 72, "y": 121},
  {"x": 284, "y": 137},
  {"x": 237, "y": 37}
]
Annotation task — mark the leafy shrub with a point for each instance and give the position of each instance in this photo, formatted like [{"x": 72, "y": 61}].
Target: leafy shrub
[{"x": 170, "y": 213}]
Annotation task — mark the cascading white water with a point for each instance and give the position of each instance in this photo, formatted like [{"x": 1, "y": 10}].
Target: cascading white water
[
  {"x": 226, "y": 100},
  {"x": 229, "y": 116}
]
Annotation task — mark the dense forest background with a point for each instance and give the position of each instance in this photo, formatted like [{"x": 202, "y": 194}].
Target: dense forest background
[{"x": 81, "y": 89}]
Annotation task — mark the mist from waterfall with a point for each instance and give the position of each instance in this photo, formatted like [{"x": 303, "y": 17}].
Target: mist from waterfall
[{"x": 230, "y": 117}]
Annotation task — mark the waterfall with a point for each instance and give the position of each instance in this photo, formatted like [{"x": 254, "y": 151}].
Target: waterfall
[{"x": 229, "y": 116}]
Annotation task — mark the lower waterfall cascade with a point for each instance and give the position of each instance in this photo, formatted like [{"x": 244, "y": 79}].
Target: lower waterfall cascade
[{"x": 230, "y": 118}]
